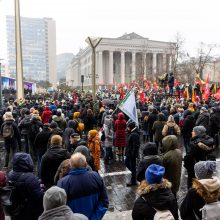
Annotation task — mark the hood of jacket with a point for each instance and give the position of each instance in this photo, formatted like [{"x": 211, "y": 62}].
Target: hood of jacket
[
  {"x": 22, "y": 162},
  {"x": 171, "y": 123},
  {"x": 208, "y": 189},
  {"x": 121, "y": 116},
  {"x": 56, "y": 152},
  {"x": 170, "y": 142},
  {"x": 158, "y": 196},
  {"x": 205, "y": 139},
  {"x": 57, "y": 118}
]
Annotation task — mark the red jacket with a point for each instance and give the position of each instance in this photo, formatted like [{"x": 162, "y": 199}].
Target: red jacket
[
  {"x": 46, "y": 115},
  {"x": 120, "y": 127}
]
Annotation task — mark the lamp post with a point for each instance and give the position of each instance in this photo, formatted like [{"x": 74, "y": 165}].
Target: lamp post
[
  {"x": 93, "y": 42},
  {"x": 19, "y": 64},
  {"x": 0, "y": 84}
]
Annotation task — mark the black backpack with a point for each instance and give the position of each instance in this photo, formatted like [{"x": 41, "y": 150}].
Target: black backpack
[
  {"x": 171, "y": 131},
  {"x": 8, "y": 131}
]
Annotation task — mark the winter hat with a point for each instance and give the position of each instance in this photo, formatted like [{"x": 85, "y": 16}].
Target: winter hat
[
  {"x": 8, "y": 116},
  {"x": 204, "y": 169},
  {"x": 53, "y": 125},
  {"x": 150, "y": 148},
  {"x": 131, "y": 125},
  {"x": 204, "y": 109},
  {"x": 170, "y": 118},
  {"x": 154, "y": 173},
  {"x": 46, "y": 126},
  {"x": 199, "y": 130},
  {"x": 56, "y": 139},
  {"x": 93, "y": 133},
  {"x": 54, "y": 197},
  {"x": 75, "y": 136},
  {"x": 76, "y": 114}
]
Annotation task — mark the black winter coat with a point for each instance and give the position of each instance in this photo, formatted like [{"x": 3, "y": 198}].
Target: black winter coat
[
  {"x": 203, "y": 120},
  {"x": 158, "y": 196},
  {"x": 214, "y": 124},
  {"x": 15, "y": 141},
  {"x": 133, "y": 144},
  {"x": 41, "y": 141},
  {"x": 152, "y": 118},
  {"x": 188, "y": 125},
  {"x": 51, "y": 160},
  {"x": 28, "y": 189},
  {"x": 145, "y": 163}
]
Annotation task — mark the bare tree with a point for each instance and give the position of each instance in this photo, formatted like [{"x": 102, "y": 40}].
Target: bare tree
[
  {"x": 177, "y": 46},
  {"x": 204, "y": 57}
]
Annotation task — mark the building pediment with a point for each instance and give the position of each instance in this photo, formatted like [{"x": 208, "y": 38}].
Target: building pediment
[{"x": 130, "y": 36}]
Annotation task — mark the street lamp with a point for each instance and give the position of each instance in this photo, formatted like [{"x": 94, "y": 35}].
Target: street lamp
[{"x": 93, "y": 43}]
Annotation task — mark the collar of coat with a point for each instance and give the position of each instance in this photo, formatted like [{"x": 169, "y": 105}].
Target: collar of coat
[
  {"x": 208, "y": 189},
  {"x": 145, "y": 187},
  {"x": 77, "y": 172}
]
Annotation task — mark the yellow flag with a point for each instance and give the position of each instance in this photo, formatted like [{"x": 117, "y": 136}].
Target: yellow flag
[
  {"x": 187, "y": 93},
  {"x": 215, "y": 88},
  {"x": 193, "y": 95}
]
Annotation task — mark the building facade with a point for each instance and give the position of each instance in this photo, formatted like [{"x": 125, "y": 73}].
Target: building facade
[
  {"x": 38, "y": 48},
  {"x": 122, "y": 60}
]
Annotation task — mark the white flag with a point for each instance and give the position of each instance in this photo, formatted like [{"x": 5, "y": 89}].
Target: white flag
[{"x": 128, "y": 106}]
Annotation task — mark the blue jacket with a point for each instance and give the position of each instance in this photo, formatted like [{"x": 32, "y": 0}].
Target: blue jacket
[{"x": 86, "y": 193}]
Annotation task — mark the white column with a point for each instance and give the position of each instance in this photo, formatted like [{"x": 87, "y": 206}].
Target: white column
[
  {"x": 144, "y": 65},
  {"x": 110, "y": 75},
  {"x": 133, "y": 67},
  {"x": 164, "y": 62},
  {"x": 122, "y": 68},
  {"x": 154, "y": 63},
  {"x": 100, "y": 68}
]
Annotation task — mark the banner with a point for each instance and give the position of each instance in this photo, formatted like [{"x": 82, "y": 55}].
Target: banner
[{"x": 128, "y": 106}]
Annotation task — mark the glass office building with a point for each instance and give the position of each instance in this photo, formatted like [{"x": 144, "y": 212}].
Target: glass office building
[{"x": 38, "y": 48}]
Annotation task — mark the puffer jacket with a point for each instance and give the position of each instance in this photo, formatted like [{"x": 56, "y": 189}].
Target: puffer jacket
[
  {"x": 61, "y": 122},
  {"x": 171, "y": 124},
  {"x": 203, "y": 191},
  {"x": 46, "y": 115},
  {"x": 28, "y": 191},
  {"x": 94, "y": 145},
  {"x": 155, "y": 196}
]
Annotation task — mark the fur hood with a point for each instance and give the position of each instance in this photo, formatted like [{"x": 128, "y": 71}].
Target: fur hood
[
  {"x": 208, "y": 189},
  {"x": 146, "y": 188}
]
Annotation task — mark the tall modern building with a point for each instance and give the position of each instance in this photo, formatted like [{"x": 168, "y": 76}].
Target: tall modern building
[
  {"x": 125, "y": 59},
  {"x": 38, "y": 48}
]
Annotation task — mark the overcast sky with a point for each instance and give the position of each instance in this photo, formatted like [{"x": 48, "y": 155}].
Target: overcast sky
[{"x": 196, "y": 20}]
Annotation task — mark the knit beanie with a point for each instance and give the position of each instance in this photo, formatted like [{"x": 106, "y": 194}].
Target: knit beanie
[
  {"x": 204, "y": 169},
  {"x": 199, "y": 130},
  {"x": 154, "y": 173},
  {"x": 54, "y": 197},
  {"x": 93, "y": 133}
]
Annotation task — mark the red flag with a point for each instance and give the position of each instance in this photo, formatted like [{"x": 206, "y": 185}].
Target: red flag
[
  {"x": 142, "y": 98},
  {"x": 121, "y": 93},
  {"x": 206, "y": 94},
  {"x": 146, "y": 84},
  {"x": 176, "y": 82}
]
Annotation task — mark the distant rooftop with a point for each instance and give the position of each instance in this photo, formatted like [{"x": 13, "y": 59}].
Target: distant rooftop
[{"x": 130, "y": 36}]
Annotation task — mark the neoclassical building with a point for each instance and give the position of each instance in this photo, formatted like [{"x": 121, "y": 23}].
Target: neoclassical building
[{"x": 125, "y": 59}]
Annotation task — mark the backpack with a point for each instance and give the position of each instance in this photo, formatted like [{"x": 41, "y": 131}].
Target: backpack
[
  {"x": 210, "y": 211},
  {"x": 171, "y": 131},
  {"x": 163, "y": 215},
  {"x": 8, "y": 131}
]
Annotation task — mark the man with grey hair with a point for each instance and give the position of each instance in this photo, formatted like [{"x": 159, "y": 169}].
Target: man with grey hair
[
  {"x": 85, "y": 189},
  {"x": 200, "y": 149}
]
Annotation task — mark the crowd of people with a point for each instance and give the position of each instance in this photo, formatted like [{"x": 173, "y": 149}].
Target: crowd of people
[{"x": 53, "y": 151}]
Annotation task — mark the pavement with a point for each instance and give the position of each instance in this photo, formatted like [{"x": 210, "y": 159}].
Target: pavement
[{"x": 121, "y": 197}]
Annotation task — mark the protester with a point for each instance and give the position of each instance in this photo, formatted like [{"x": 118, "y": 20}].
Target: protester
[
  {"x": 200, "y": 147},
  {"x": 46, "y": 115},
  {"x": 59, "y": 119},
  {"x": 171, "y": 128},
  {"x": 205, "y": 189},
  {"x": 172, "y": 161},
  {"x": 51, "y": 160},
  {"x": 29, "y": 194},
  {"x": 155, "y": 194},
  {"x": 94, "y": 146},
  {"x": 84, "y": 187},
  {"x": 120, "y": 132},
  {"x": 55, "y": 207},
  {"x": 132, "y": 151},
  {"x": 203, "y": 119},
  {"x": 11, "y": 135},
  {"x": 150, "y": 156},
  {"x": 2, "y": 184}
]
